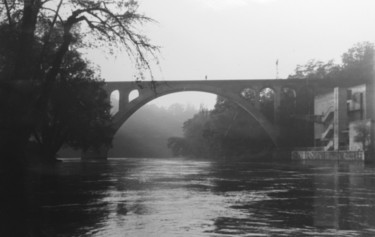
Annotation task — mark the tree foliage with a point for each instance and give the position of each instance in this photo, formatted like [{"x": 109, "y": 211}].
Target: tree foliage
[
  {"x": 39, "y": 64},
  {"x": 226, "y": 131},
  {"x": 356, "y": 64},
  {"x": 363, "y": 134},
  {"x": 193, "y": 144},
  {"x": 316, "y": 70},
  {"x": 78, "y": 112},
  {"x": 111, "y": 24}
]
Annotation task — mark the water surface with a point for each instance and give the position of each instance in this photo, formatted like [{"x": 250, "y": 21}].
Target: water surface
[{"x": 178, "y": 197}]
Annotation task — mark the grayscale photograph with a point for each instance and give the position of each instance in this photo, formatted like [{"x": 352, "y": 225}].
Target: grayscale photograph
[{"x": 187, "y": 118}]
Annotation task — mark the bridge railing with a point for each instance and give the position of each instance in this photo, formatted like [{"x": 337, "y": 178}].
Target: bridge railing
[
  {"x": 316, "y": 148},
  {"x": 329, "y": 155}
]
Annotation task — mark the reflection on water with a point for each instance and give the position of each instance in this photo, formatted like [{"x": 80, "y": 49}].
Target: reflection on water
[{"x": 157, "y": 197}]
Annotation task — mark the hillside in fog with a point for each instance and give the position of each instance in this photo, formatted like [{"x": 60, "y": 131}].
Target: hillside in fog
[{"x": 146, "y": 132}]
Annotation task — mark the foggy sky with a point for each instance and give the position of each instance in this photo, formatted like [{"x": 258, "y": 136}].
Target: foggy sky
[{"x": 242, "y": 39}]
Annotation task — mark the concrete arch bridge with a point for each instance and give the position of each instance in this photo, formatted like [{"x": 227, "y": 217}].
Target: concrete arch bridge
[{"x": 245, "y": 93}]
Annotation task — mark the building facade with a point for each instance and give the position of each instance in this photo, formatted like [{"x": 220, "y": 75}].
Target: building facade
[{"x": 344, "y": 124}]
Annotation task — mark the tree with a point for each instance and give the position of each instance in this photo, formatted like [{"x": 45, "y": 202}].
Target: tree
[
  {"x": 356, "y": 64},
  {"x": 178, "y": 146},
  {"x": 225, "y": 131},
  {"x": 42, "y": 33},
  {"x": 78, "y": 112},
  {"x": 111, "y": 23},
  {"x": 363, "y": 134},
  {"x": 237, "y": 133},
  {"x": 193, "y": 143},
  {"x": 316, "y": 70}
]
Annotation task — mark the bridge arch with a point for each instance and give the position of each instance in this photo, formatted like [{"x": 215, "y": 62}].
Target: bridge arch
[
  {"x": 114, "y": 98},
  {"x": 148, "y": 94}
]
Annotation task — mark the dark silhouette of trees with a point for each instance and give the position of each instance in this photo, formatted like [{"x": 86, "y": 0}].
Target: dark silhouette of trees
[
  {"x": 78, "y": 112},
  {"x": 193, "y": 143},
  {"x": 37, "y": 38},
  {"x": 109, "y": 23},
  {"x": 225, "y": 132}
]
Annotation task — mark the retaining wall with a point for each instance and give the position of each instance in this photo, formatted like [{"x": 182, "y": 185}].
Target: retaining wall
[{"x": 328, "y": 155}]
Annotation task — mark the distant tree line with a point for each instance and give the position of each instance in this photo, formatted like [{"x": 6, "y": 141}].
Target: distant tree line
[{"x": 356, "y": 65}]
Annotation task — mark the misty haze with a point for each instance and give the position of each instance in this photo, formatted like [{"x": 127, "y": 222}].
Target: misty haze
[{"x": 187, "y": 118}]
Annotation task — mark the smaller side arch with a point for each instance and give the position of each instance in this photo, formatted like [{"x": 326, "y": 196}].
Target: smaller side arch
[
  {"x": 114, "y": 99},
  {"x": 134, "y": 94},
  {"x": 251, "y": 95},
  {"x": 267, "y": 97}
]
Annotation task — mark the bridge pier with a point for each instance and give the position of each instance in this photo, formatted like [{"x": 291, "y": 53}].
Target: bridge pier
[{"x": 95, "y": 153}]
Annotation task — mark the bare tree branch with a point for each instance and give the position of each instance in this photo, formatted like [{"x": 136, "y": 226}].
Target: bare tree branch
[
  {"x": 44, "y": 49},
  {"x": 55, "y": 11},
  {"x": 8, "y": 11}
]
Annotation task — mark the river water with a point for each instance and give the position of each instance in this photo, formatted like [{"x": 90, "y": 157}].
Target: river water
[{"x": 178, "y": 197}]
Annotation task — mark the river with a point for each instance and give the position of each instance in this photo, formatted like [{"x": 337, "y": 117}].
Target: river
[{"x": 180, "y": 197}]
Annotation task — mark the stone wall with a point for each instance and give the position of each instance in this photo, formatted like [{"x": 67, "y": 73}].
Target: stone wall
[{"x": 328, "y": 155}]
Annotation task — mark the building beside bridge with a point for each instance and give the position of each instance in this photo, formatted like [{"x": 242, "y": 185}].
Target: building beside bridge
[
  {"x": 340, "y": 113},
  {"x": 343, "y": 123}
]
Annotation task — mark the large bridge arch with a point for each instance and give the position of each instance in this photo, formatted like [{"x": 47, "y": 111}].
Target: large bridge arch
[
  {"x": 239, "y": 91},
  {"x": 149, "y": 92}
]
